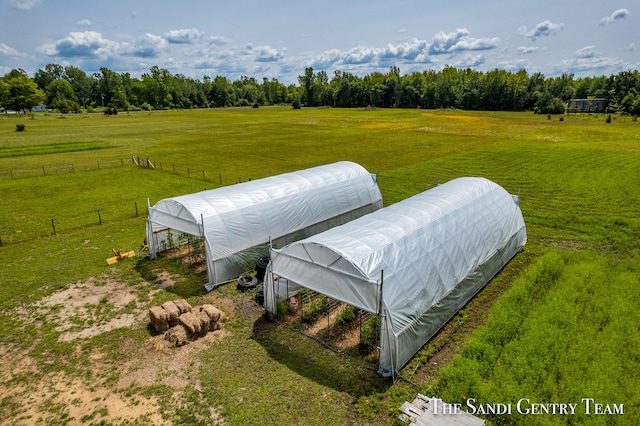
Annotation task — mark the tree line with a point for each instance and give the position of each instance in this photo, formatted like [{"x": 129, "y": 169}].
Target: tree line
[{"x": 69, "y": 89}]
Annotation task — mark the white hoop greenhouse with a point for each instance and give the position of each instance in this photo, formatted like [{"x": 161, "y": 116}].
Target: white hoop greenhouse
[
  {"x": 237, "y": 221},
  {"x": 414, "y": 263}
]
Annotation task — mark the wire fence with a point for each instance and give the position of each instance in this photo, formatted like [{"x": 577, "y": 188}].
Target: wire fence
[
  {"x": 56, "y": 225},
  {"x": 138, "y": 161}
]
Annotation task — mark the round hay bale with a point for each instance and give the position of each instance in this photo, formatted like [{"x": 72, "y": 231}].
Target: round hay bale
[
  {"x": 205, "y": 322},
  {"x": 214, "y": 313},
  {"x": 172, "y": 311},
  {"x": 159, "y": 318},
  {"x": 182, "y": 305},
  {"x": 191, "y": 322},
  {"x": 177, "y": 335}
]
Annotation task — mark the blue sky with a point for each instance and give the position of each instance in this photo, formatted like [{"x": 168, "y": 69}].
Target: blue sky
[{"x": 278, "y": 39}]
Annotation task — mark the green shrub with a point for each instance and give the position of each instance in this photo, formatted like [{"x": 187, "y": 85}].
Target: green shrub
[
  {"x": 346, "y": 315},
  {"x": 369, "y": 334},
  {"x": 314, "y": 308}
]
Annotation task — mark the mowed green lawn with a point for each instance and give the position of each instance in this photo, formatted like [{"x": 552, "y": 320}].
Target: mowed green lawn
[{"x": 564, "y": 325}]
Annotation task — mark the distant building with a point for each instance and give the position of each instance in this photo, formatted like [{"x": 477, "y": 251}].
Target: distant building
[
  {"x": 586, "y": 105},
  {"x": 39, "y": 108}
]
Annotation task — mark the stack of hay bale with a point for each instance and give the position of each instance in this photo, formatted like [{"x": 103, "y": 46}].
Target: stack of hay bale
[{"x": 183, "y": 323}]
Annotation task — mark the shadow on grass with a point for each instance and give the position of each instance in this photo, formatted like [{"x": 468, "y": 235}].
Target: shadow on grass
[
  {"x": 310, "y": 359},
  {"x": 173, "y": 276}
]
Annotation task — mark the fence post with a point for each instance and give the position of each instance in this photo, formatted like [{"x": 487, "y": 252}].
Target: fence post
[
  {"x": 43, "y": 174},
  {"x": 188, "y": 174},
  {"x": 99, "y": 217},
  {"x": 53, "y": 225},
  {"x": 136, "y": 203}
]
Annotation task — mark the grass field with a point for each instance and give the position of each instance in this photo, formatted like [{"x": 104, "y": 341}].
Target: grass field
[{"x": 558, "y": 324}]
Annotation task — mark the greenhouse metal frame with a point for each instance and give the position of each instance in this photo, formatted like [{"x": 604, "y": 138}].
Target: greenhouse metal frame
[
  {"x": 415, "y": 263},
  {"x": 239, "y": 222}
]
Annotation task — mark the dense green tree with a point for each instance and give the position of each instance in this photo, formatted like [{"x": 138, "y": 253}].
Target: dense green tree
[
  {"x": 4, "y": 93},
  {"x": 21, "y": 92},
  {"x": 581, "y": 88},
  {"x": 61, "y": 96},
  {"x": 599, "y": 87},
  {"x": 274, "y": 91},
  {"x": 635, "y": 107},
  {"x": 108, "y": 84},
  {"x": 84, "y": 87},
  {"x": 310, "y": 87},
  {"x": 222, "y": 93},
  {"x": 448, "y": 92},
  {"x": 626, "y": 104},
  {"x": 451, "y": 87},
  {"x": 44, "y": 77}
]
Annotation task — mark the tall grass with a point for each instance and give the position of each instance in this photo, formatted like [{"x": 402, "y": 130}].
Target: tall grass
[{"x": 567, "y": 330}]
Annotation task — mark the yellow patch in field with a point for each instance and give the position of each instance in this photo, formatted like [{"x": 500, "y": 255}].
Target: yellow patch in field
[
  {"x": 391, "y": 125},
  {"x": 460, "y": 117}
]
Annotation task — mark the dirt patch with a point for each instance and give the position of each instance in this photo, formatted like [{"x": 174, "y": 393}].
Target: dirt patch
[
  {"x": 85, "y": 309},
  {"x": 79, "y": 403},
  {"x": 165, "y": 280},
  {"x": 158, "y": 362},
  {"x": 68, "y": 396}
]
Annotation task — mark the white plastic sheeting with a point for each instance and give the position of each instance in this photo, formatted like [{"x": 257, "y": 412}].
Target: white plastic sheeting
[
  {"x": 414, "y": 263},
  {"x": 238, "y": 221}
]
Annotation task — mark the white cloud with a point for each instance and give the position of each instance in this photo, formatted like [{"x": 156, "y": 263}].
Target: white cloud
[
  {"x": 149, "y": 46},
  {"x": 406, "y": 51},
  {"x": 85, "y": 23},
  {"x": 235, "y": 61},
  {"x": 545, "y": 28},
  {"x": 219, "y": 41},
  {"x": 631, "y": 47},
  {"x": 588, "y": 60},
  {"x": 359, "y": 55},
  {"x": 9, "y": 51},
  {"x": 582, "y": 65},
  {"x": 514, "y": 65},
  {"x": 326, "y": 59},
  {"x": 469, "y": 61},
  {"x": 24, "y": 4},
  {"x": 587, "y": 52},
  {"x": 526, "y": 49},
  {"x": 266, "y": 54},
  {"x": 460, "y": 41},
  {"x": 86, "y": 44},
  {"x": 617, "y": 15},
  {"x": 184, "y": 36}
]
